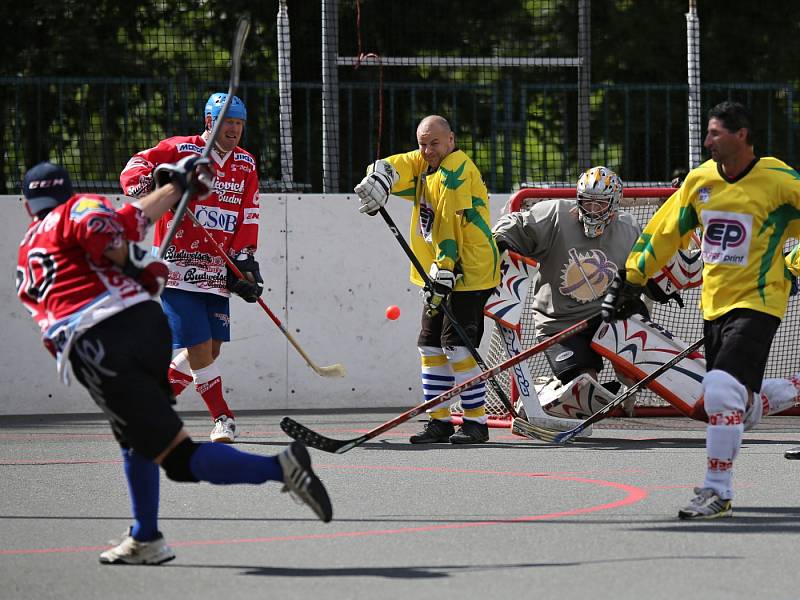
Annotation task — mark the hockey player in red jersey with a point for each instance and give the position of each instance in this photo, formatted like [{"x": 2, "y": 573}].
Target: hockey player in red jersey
[
  {"x": 196, "y": 299},
  {"x": 89, "y": 287}
]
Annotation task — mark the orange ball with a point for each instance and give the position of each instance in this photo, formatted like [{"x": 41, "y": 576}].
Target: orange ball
[{"x": 392, "y": 312}]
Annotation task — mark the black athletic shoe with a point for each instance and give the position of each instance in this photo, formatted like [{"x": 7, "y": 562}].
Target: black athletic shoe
[
  {"x": 435, "y": 431},
  {"x": 792, "y": 453},
  {"x": 471, "y": 432},
  {"x": 302, "y": 483}
]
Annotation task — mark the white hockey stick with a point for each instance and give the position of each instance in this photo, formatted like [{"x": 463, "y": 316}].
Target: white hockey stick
[
  {"x": 242, "y": 30},
  {"x": 522, "y": 375}
]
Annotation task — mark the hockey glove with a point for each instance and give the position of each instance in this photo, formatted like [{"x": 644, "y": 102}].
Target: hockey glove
[
  {"x": 252, "y": 286},
  {"x": 622, "y": 300},
  {"x": 442, "y": 283},
  {"x": 375, "y": 187},
  {"x": 192, "y": 173},
  {"x": 147, "y": 270}
]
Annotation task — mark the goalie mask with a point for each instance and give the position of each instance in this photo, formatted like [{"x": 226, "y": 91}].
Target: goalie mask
[{"x": 599, "y": 192}]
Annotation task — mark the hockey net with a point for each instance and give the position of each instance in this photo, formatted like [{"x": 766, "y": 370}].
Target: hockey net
[{"x": 685, "y": 323}]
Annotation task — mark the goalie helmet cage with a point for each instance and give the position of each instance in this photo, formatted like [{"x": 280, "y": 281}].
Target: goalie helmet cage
[{"x": 687, "y": 323}]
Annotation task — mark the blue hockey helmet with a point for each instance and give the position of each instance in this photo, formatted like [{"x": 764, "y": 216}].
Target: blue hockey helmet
[{"x": 214, "y": 104}]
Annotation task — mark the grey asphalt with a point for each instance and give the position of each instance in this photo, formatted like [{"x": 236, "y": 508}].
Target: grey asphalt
[{"x": 512, "y": 518}]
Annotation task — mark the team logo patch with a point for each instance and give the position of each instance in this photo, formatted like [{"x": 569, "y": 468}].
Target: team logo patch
[
  {"x": 251, "y": 216},
  {"x": 212, "y": 217},
  {"x": 564, "y": 355},
  {"x": 726, "y": 238},
  {"x": 193, "y": 148},
  {"x": 88, "y": 206},
  {"x": 585, "y": 277},
  {"x": 244, "y": 157},
  {"x": 704, "y": 194}
]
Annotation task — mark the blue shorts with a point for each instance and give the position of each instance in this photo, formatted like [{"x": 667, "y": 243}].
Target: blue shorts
[{"x": 196, "y": 317}]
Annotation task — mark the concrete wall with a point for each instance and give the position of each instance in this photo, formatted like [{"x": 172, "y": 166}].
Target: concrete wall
[{"x": 329, "y": 275}]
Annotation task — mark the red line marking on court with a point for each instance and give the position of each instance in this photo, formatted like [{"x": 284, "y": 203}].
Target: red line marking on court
[{"x": 633, "y": 495}]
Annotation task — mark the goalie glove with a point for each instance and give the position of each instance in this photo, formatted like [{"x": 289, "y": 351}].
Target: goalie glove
[
  {"x": 192, "y": 173},
  {"x": 374, "y": 189},
  {"x": 147, "y": 270},
  {"x": 622, "y": 300},
  {"x": 442, "y": 283},
  {"x": 252, "y": 286}
]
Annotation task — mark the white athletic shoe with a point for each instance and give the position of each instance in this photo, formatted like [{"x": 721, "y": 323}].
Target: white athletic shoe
[
  {"x": 302, "y": 483},
  {"x": 133, "y": 552},
  {"x": 706, "y": 505},
  {"x": 224, "y": 430}
]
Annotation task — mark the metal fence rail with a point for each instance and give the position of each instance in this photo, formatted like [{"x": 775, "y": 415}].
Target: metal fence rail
[{"x": 514, "y": 131}]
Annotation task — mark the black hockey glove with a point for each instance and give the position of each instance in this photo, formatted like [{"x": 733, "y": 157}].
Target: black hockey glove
[
  {"x": 192, "y": 172},
  {"x": 251, "y": 287},
  {"x": 622, "y": 300},
  {"x": 654, "y": 292}
]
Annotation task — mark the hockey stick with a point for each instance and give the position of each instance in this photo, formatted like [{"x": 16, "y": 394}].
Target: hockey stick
[
  {"x": 311, "y": 438},
  {"x": 242, "y": 29},
  {"x": 336, "y": 370},
  {"x": 446, "y": 310},
  {"x": 561, "y": 437}
]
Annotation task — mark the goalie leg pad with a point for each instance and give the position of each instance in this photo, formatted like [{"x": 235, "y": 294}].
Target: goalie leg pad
[
  {"x": 578, "y": 399},
  {"x": 637, "y": 346}
]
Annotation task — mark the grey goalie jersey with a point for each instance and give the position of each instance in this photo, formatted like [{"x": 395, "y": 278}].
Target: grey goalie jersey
[{"x": 574, "y": 271}]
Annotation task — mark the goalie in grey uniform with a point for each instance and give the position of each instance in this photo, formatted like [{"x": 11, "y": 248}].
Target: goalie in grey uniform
[{"x": 580, "y": 244}]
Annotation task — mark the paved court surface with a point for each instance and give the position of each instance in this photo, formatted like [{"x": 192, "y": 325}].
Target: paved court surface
[{"x": 513, "y": 518}]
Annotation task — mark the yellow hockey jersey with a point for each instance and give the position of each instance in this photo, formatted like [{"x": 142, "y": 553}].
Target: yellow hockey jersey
[
  {"x": 450, "y": 222},
  {"x": 745, "y": 224}
]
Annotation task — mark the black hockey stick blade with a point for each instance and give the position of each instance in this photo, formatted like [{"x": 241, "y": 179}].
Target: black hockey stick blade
[
  {"x": 553, "y": 436},
  {"x": 315, "y": 440}
]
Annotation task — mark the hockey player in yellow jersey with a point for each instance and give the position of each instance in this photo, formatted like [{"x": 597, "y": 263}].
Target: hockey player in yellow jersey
[
  {"x": 747, "y": 207},
  {"x": 452, "y": 238}
]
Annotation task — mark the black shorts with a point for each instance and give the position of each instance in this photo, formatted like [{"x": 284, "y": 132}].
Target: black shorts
[
  {"x": 738, "y": 343},
  {"x": 123, "y": 363},
  {"x": 467, "y": 308},
  {"x": 573, "y": 356}
]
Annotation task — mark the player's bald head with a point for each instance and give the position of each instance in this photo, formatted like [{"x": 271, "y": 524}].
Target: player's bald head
[
  {"x": 435, "y": 139},
  {"x": 434, "y": 124}
]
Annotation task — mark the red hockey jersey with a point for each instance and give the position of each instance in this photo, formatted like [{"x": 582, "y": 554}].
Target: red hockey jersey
[
  {"x": 63, "y": 278},
  {"x": 230, "y": 213}
]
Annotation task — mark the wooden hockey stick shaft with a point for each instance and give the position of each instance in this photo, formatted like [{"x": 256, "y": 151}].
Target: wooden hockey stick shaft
[
  {"x": 446, "y": 310},
  {"x": 242, "y": 29},
  {"x": 561, "y": 437},
  {"x": 336, "y": 370},
  {"x": 311, "y": 438}
]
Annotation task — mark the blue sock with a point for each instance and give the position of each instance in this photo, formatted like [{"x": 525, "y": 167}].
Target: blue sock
[
  {"x": 224, "y": 465},
  {"x": 142, "y": 475}
]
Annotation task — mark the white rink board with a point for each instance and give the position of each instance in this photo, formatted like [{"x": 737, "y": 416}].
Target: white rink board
[{"x": 335, "y": 269}]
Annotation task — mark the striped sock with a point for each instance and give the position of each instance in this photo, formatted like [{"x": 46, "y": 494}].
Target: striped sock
[
  {"x": 473, "y": 400},
  {"x": 436, "y": 378}
]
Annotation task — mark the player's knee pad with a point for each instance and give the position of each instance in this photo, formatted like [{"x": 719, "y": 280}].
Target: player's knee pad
[
  {"x": 578, "y": 399},
  {"x": 177, "y": 463},
  {"x": 724, "y": 398}
]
